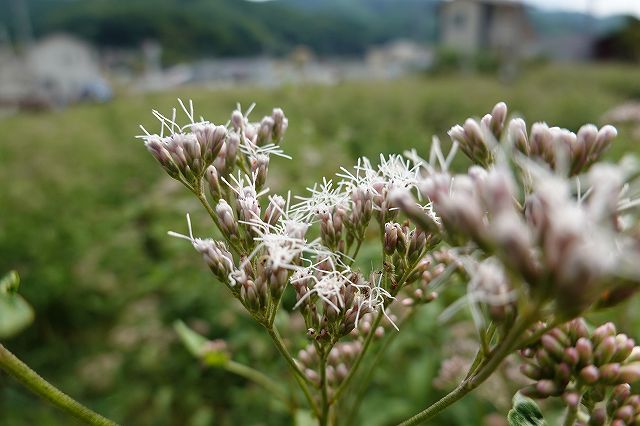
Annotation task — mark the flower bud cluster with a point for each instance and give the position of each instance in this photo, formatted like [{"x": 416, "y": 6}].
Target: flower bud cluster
[
  {"x": 477, "y": 139},
  {"x": 269, "y": 130},
  {"x": 187, "y": 152},
  {"x": 339, "y": 362},
  {"x": 559, "y": 148},
  {"x": 330, "y": 299},
  {"x": 574, "y": 363},
  {"x": 428, "y": 271},
  {"x": 622, "y": 408},
  {"x": 564, "y": 245}
]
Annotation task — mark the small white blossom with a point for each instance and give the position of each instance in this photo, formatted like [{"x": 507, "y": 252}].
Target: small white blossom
[
  {"x": 372, "y": 298},
  {"x": 324, "y": 199}
]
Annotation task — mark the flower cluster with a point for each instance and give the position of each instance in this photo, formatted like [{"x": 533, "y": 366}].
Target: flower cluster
[
  {"x": 592, "y": 368},
  {"x": 538, "y": 229},
  {"x": 557, "y": 238}
]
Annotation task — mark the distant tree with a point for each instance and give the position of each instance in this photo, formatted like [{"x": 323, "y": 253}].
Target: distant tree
[{"x": 622, "y": 44}]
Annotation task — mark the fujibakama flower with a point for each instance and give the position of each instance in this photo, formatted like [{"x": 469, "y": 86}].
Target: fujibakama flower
[
  {"x": 373, "y": 297},
  {"x": 437, "y": 160},
  {"x": 187, "y": 150},
  {"x": 327, "y": 285},
  {"x": 398, "y": 172},
  {"x": 214, "y": 253},
  {"x": 363, "y": 176},
  {"x": 324, "y": 198},
  {"x": 489, "y": 287}
]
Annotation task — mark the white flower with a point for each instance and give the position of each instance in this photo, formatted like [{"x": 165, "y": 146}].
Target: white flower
[
  {"x": 324, "y": 199},
  {"x": 398, "y": 172},
  {"x": 252, "y": 150},
  {"x": 328, "y": 286},
  {"x": 284, "y": 242},
  {"x": 437, "y": 161},
  {"x": 170, "y": 124},
  {"x": 372, "y": 298},
  {"x": 244, "y": 186},
  {"x": 212, "y": 252}
]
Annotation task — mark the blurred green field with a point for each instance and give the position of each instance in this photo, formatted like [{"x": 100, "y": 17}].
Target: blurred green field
[{"x": 84, "y": 211}]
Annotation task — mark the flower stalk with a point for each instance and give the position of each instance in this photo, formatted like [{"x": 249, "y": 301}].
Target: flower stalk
[{"x": 36, "y": 384}]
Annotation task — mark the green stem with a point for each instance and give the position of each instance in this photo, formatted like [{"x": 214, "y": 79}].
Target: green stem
[
  {"x": 572, "y": 416},
  {"x": 539, "y": 333},
  {"x": 355, "y": 253},
  {"x": 205, "y": 203},
  {"x": 358, "y": 360},
  {"x": 486, "y": 368},
  {"x": 34, "y": 382},
  {"x": 297, "y": 374},
  {"x": 435, "y": 408},
  {"x": 324, "y": 415},
  {"x": 364, "y": 383},
  {"x": 256, "y": 377}
]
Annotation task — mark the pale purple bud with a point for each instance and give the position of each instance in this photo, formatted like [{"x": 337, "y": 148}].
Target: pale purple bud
[
  {"x": 280, "y": 124},
  {"x": 624, "y": 413},
  {"x": 571, "y": 398},
  {"x": 548, "y": 388},
  {"x": 249, "y": 294},
  {"x": 210, "y": 138},
  {"x": 518, "y": 135},
  {"x": 584, "y": 347},
  {"x": 237, "y": 120},
  {"x": 590, "y": 374},
  {"x": 390, "y": 237},
  {"x": 634, "y": 356},
  {"x": 213, "y": 182},
  {"x": 260, "y": 168},
  {"x": 607, "y": 329},
  {"x": 571, "y": 356},
  {"x": 630, "y": 373},
  {"x": 609, "y": 373},
  {"x": 156, "y": 146},
  {"x": 604, "y": 138},
  {"x": 304, "y": 357},
  {"x": 624, "y": 346},
  {"x": 265, "y": 132},
  {"x": 274, "y": 209},
  {"x": 228, "y": 224},
  {"x": 619, "y": 395},
  {"x": 231, "y": 151},
  {"x": 342, "y": 371},
  {"x": 531, "y": 371},
  {"x": 598, "y": 417},
  {"x": 312, "y": 375},
  {"x": 577, "y": 329},
  {"x": 605, "y": 350},
  {"x": 498, "y": 117}
]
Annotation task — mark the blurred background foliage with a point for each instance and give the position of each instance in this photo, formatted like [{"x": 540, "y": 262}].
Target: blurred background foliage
[{"x": 84, "y": 212}]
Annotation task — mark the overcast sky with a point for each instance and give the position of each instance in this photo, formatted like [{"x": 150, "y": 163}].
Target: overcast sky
[{"x": 599, "y": 7}]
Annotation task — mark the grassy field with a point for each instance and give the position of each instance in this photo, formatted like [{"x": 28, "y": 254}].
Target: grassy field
[{"x": 84, "y": 212}]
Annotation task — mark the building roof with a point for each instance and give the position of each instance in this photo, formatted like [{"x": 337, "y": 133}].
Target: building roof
[{"x": 506, "y": 3}]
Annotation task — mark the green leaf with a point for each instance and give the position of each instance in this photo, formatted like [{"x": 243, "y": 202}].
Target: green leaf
[
  {"x": 15, "y": 312},
  {"x": 199, "y": 346},
  {"x": 525, "y": 412},
  {"x": 304, "y": 418},
  {"x": 9, "y": 283}
]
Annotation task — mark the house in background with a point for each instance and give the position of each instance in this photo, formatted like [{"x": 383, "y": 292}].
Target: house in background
[
  {"x": 494, "y": 26},
  {"x": 66, "y": 69},
  {"x": 56, "y": 70}
]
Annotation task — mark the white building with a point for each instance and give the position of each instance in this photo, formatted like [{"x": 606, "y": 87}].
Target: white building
[
  {"x": 496, "y": 26},
  {"x": 65, "y": 69}
]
